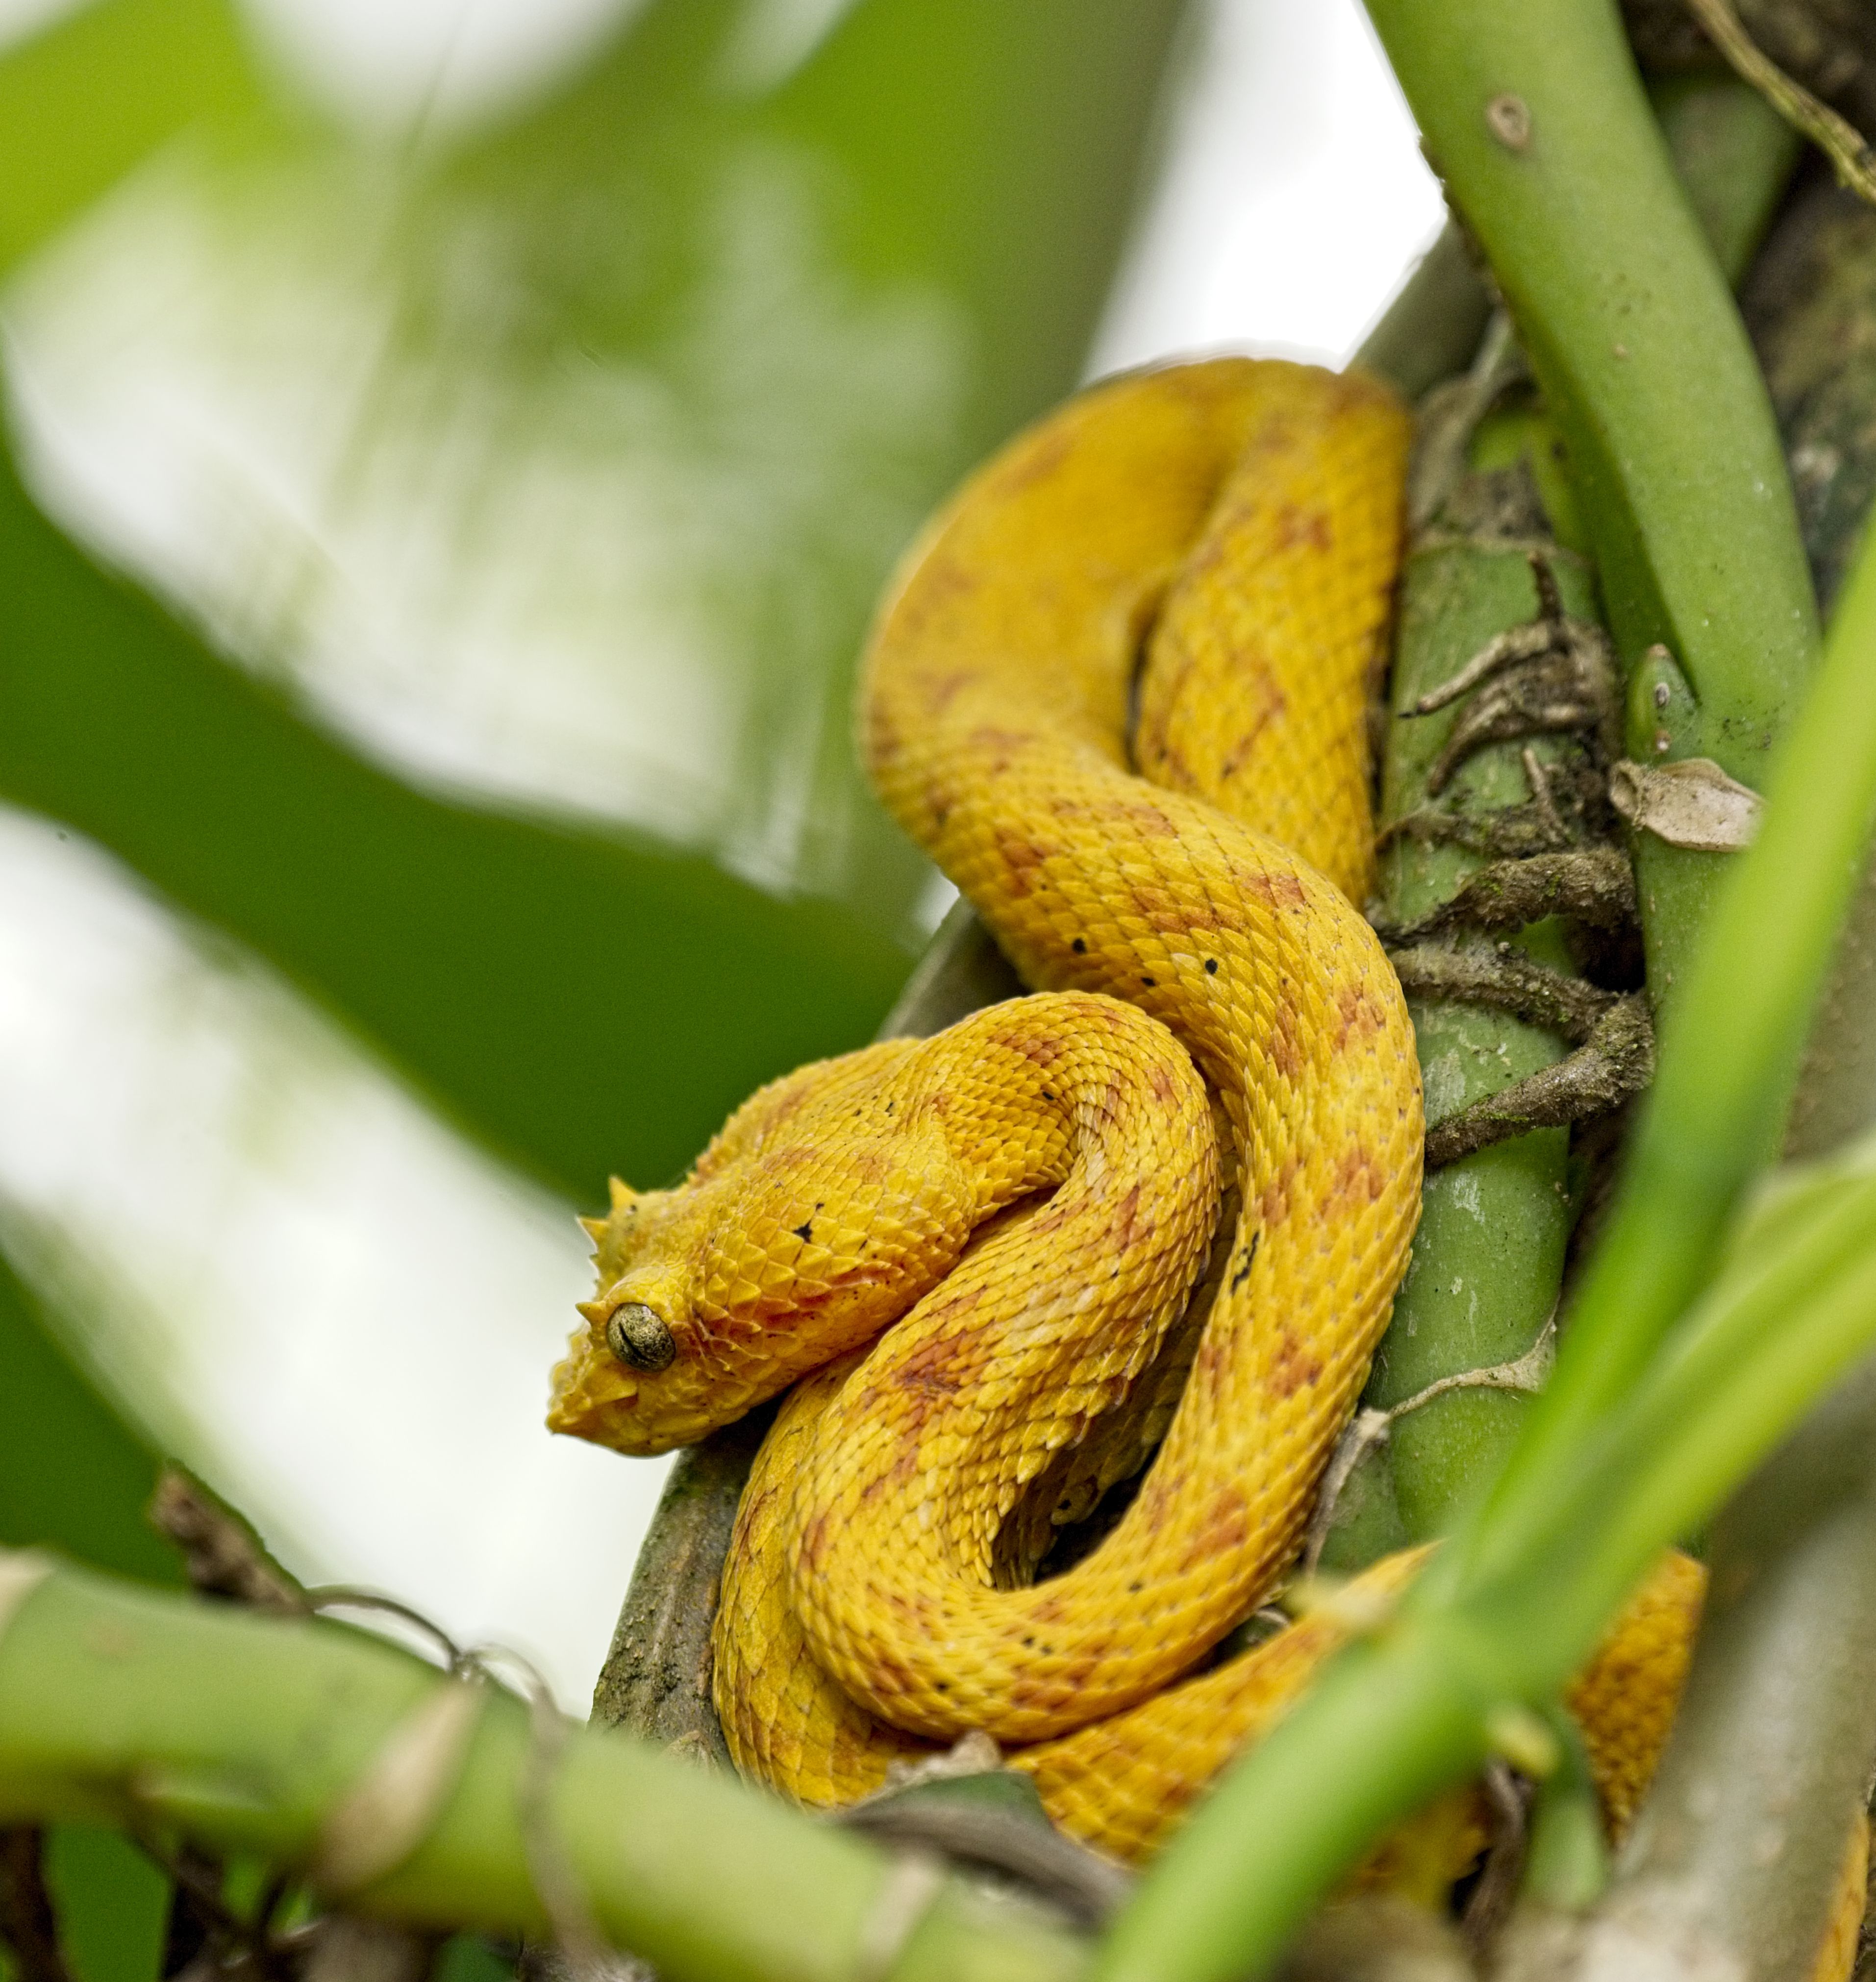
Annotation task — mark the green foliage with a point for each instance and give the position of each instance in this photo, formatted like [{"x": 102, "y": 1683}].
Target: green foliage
[
  {"x": 1489, "y": 1251},
  {"x": 467, "y": 1957},
  {"x": 71, "y": 1473},
  {"x": 111, "y": 1903},
  {"x": 244, "y": 1733},
  {"x": 1410, "y": 1707},
  {"x": 1673, "y": 457},
  {"x": 1614, "y": 289},
  {"x": 579, "y": 998},
  {"x": 1488, "y": 1255},
  {"x": 1650, "y": 1418},
  {"x": 579, "y": 1001},
  {"x": 84, "y": 101}
]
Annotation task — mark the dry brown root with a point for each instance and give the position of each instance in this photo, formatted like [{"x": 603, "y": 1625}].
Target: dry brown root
[
  {"x": 1612, "y": 1031},
  {"x": 1555, "y": 674}
]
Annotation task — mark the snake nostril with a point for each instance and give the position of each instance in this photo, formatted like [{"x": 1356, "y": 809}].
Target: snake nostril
[{"x": 639, "y": 1338}]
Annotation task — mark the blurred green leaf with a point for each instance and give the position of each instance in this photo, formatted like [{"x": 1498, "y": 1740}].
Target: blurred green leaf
[
  {"x": 91, "y": 96},
  {"x": 579, "y": 1002},
  {"x": 467, "y": 1957},
  {"x": 584, "y": 1000},
  {"x": 112, "y": 1904},
  {"x": 72, "y": 1476},
  {"x": 579, "y": 998}
]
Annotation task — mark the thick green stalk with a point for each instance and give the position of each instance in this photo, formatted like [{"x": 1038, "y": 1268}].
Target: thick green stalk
[
  {"x": 243, "y": 1733},
  {"x": 1772, "y": 1742},
  {"x": 1690, "y": 517},
  {"x": 1419, "y": 1705},
  {"x": 1489, "y": 1251},
  {"x": 1536, "y": 119},
  {"x": 1488, "y": 1256},
  {"x": 1391, "y": 1724},
  {"x": 1792, "y": 1314},
  {"x": 1432, "y": 327},
  {"x": 1739, "y": 1841},
  {"x": 1567, "y": 1859},
  {"x": 1734, "y": 155},
  {"x": 1730, "y": 1042}
]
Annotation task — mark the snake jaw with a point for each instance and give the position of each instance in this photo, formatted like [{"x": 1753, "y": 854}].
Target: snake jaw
[{"x": 591, "y": 1397}]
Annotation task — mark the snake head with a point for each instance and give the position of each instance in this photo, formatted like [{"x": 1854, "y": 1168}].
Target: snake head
[{"x": 825, "y": 1207}]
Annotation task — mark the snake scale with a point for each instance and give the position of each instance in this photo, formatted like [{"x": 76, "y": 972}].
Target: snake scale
[{"x": 1118, "y": 693}]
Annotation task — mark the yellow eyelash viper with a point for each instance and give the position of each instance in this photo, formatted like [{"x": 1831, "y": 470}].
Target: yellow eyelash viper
[{"x": 1030, "y": 1199}]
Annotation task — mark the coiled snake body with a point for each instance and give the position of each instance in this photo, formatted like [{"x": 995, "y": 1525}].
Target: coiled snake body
[{"x": 1029, "y": 1199}]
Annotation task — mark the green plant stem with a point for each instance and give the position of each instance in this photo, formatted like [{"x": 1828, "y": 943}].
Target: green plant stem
[
  {"x": 1740, "y": 1838},
  {"x": 1735, "y": 156},
  {"x": 1488, "y": 1256},
  {"x": 1776, "y": 1732},
  {"x": 656, "y": 1679},
  {"x": 1691, "y": 520},
  {"x": 1730, "y": 1045},
  {"x": 1678, "y": 466},
  {"x": 1391, "y": 1724},
  {"x": 1737, "y": 1378},
  {"x": 241, "y": 1733},
  {"x": 1489, "y": 1252},
  {"x": 1432, "y": 327},
  {"x": 1628, "y": 325},
  {"x": 1567, "y": 1864}
]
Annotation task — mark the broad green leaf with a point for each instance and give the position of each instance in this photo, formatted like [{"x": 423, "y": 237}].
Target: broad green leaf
[{"x": 93, "y": 93}]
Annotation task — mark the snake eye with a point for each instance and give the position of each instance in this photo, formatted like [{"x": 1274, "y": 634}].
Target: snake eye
[{"x": 638, "y": 1338}]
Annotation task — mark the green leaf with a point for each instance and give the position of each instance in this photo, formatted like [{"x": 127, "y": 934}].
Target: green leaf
[
  {"x": 112, "y": 1904},
  {"x": 579, "y": 1003},
  {"x": 92, "y": 94},
  {"x": 72, "y": 1477}
]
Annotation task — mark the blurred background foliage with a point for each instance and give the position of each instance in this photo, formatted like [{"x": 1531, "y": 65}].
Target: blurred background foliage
[
  {"x": 452, "y": 452},
  {"x": 485, "y": 674},
  {"x": 615, "y": 408}
]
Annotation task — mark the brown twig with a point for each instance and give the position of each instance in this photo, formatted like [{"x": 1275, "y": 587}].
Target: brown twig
[
  {"x": 28, "y": 1926},
  {"x": 1839, "y": 140},
  {"x": 221, "y": 1555}
]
